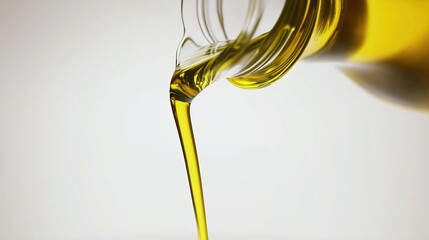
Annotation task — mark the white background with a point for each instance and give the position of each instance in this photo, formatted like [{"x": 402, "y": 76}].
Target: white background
[{"x": 89, "y": 150}]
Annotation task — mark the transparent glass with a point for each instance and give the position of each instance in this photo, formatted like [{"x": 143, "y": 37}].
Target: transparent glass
[{"x": 382, "y": 45}]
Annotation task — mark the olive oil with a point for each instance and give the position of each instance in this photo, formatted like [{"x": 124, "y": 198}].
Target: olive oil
[
  {"x": 186, "y": 84},
  {"x": 183, "y": 121},
  {"x": 383, "y": 45},
  {"x": 184, "y": 87}
]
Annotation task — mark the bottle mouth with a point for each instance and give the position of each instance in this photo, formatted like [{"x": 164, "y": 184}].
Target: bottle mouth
[
  {"x": 275, "y": 52},
  {"x": 256, "y": 56}
]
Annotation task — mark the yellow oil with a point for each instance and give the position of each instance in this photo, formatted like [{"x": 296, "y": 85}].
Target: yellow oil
[
  {"x": 383, "y": 45},
  {"x": 184, "y": 126},
  {"x": 184, "y": 87},
  {"x": 187, "y": 82}
]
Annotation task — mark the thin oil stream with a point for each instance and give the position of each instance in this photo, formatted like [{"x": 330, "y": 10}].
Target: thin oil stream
[
  {"x": 182, "y": 90},
  {"x": 186, "y": 84},
  {"x": 181, "y": 112}
]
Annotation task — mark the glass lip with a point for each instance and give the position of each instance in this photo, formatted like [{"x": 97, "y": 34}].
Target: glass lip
[
  {"x": 282, "y": 46},
  {"x": 257, "y": 61},
  {"x": 204, "y": 27}
]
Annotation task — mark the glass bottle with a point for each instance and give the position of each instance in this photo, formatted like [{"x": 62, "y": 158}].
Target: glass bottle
[{"x": 383, "y": 45}]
